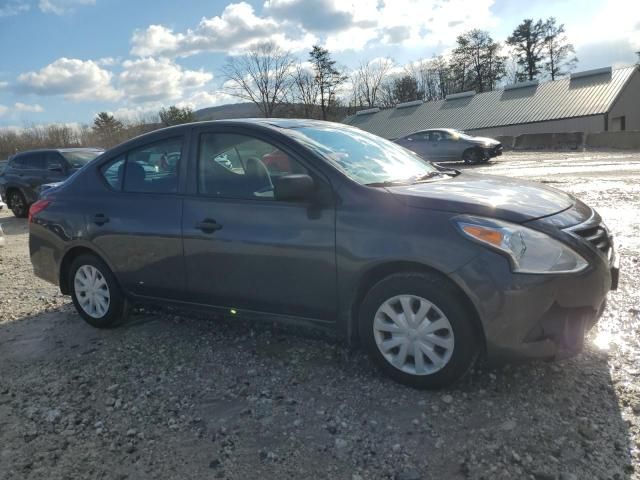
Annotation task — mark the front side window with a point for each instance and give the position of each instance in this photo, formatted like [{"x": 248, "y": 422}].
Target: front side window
[
  {"x": 363, "y": 157},
  {"x": 54, "y": 162},
  {"x": 239, "y": 166}
]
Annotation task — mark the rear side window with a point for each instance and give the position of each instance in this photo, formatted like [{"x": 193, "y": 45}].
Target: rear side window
[
  {"x": 35, "y": 161},
  {"x": 149, "y": 169},
  {"x": 17, "y": 163}
]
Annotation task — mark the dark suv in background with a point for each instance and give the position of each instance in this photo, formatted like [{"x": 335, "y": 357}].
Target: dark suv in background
[{"x": 26, "y": 172}]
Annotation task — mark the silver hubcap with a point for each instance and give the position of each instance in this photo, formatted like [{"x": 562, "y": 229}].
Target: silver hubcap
[
  {"x": 92, "y": 291},
  {"x": 413, "y": 335}
]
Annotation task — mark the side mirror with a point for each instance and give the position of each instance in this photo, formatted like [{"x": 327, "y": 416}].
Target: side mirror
[{"x": 293, "y": 187}]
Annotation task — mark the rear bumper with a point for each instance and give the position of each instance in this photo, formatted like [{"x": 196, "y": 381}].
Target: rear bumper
[{"x": 534, "y": 316}]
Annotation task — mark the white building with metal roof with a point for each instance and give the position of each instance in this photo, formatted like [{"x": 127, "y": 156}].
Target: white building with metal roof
[{"x": 599, "y": 100}]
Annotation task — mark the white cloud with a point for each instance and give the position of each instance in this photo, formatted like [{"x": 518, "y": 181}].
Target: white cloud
[
  {"x": 60, "y": 7},
  {"x": 203, "y": 99},
  {"x": 3, "y": 110},
  {"x": 297, "y": 24},
  {"x": 234, "y": 29},
  {"x": 9, "y": 8},
  {"x": 107, "y": 61},
  {"x": 25, "y": 107},
  {"x": 149, "y": 79},
  {"x": 74, "y": 79},
  {"x": 409, "y": 23},
  {"x": 317, "y": 15}
]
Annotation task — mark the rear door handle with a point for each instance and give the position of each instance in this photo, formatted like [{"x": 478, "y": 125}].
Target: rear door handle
[
  {"x": 100, "y": 219},
  {"x": 208, "y": 225}
]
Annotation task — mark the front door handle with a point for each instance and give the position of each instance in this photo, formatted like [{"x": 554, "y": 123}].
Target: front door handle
[
  {"x": 208, "y": 225},
  {"x": 100, "y": 219}
]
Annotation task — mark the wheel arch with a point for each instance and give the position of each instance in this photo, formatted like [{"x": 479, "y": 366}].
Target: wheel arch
[
  {"x": 378, "y": 272},
  {"x": 68, "y": 258},
  {"x": 472, "y": 148}
]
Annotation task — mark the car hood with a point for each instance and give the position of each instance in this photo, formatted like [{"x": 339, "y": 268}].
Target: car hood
[
  {"x": 504, "y": 198},
  {"x": 485, "y": 140}
]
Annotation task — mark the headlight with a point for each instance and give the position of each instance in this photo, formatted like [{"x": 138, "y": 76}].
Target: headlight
[{"x": 529, "y": 251}]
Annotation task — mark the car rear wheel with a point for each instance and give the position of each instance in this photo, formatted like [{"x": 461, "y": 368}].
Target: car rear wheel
[
  {"x": 18, "y": 204},
  {"x": 95, "y": 292},
  {"x": 417, "y": 331}
]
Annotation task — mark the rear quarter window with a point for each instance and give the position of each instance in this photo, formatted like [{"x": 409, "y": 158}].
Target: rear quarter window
[{"x": 113, "y": 172}]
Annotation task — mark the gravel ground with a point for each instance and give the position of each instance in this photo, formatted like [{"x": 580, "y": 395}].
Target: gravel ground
[{"x": 177, "y": 395}]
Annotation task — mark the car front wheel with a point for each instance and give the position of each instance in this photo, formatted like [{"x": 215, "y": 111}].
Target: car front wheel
[
  {"x": 415, "y": 328},
  {"x": 96, "y": 293}
]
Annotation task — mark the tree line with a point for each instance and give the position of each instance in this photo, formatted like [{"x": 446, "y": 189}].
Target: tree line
[{"x": 270, "y": 77}]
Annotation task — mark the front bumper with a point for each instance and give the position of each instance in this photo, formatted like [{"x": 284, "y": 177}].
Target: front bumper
[
  {"x": 495, "y": 151},
  {"x": 535, "y": 316}
]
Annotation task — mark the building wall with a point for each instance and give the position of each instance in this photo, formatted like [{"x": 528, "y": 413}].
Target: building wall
[
  {"x": 594, "y": 123},
  {"x": 628, "y": 105}
]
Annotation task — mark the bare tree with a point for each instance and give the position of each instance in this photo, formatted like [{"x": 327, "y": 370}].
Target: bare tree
[
  {"x": 559, "y": 53},
  {"x": 368, "y": 79},
  {"x": 305, "y": 89},
  {"x": 427, "y": 79},
  {"x": 262, "y": 76}
]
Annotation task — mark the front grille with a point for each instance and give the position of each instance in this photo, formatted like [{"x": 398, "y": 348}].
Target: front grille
[{"x": 596, "y": 235}]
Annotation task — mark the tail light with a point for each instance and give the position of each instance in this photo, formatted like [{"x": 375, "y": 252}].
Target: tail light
[{"x": 37, "y": 207}]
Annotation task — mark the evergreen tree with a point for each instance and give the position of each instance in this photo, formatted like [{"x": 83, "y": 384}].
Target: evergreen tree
[
  {"x": 327, "y": 76},
  {"x": 527, "y": 41},
  {"x": 176, "y": 115}
]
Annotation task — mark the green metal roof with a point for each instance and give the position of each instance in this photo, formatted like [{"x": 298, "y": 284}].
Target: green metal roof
[{"x": 584, "y": 94}]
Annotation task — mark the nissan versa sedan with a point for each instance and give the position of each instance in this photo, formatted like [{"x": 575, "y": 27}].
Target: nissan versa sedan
[{"x": 427, "y": 268}]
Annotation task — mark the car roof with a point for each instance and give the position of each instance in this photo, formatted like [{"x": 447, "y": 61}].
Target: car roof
[
  {"x": 261, "y": 122},
  {"x": 274, "y": 122},
  {"x": 268, "y": 123},
  {"x": 61, "y": 150}
]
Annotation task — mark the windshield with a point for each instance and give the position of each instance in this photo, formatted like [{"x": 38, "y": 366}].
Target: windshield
[
  {"x": 80, "y": 158},
  {"x": 364, "y": 157},
  {"x": 460, "y": 134}
]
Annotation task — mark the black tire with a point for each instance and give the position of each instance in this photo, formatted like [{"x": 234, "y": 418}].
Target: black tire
[
  {"x": 117, "y": 306},
  {"x": 18, "y": 204},
  {"x": 472, "y": 156},
  {"x": 446, "y": 298}
]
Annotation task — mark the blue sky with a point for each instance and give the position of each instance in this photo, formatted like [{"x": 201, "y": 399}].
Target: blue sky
[{"x": 65, "y": 60}]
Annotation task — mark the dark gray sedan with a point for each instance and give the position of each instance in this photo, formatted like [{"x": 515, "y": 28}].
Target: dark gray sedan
[
  {"x": 447, "y": 144},
  {"x": 325, "y": 224}
]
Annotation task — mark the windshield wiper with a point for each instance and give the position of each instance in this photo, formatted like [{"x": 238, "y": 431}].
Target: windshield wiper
[
  {"x": 428, "y": 176},
  {"x": 387, "y": 183}
]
